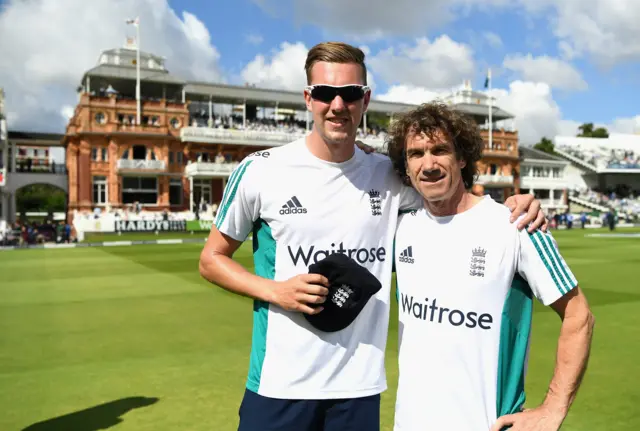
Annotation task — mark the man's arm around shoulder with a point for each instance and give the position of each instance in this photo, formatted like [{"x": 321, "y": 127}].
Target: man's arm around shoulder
[{"x": 218, "y": 267}]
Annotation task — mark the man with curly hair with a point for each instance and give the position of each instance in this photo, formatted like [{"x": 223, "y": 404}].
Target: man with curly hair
[
  {"x": 303, "y": 201},
  {"x": 466, "y": 278}
]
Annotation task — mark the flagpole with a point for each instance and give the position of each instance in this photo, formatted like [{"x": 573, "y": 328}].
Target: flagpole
[
  {"x": 138, "y": 70},
  {"x": 490, "y": 112}
]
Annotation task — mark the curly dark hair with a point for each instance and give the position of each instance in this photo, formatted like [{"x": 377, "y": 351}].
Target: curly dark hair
[{"x": 429, "y": 118}]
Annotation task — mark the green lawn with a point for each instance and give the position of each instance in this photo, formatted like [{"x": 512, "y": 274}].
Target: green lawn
[
  {"x": 132, "y": 335},
  {"x": 142, "y": 236}
]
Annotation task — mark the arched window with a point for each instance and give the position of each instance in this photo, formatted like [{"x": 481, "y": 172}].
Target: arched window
[{"x": 139, "y": 152}]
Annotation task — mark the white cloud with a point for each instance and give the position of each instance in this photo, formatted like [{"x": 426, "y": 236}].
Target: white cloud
[
  {"x": 408, "y": 94},
  {"x": 442, "y": 63},
  {"x": 493, "y": 39},
  {"x": 536, "y": 112},
  {"x": 568, "y": 127},
  {"x": 43, "y": 65},
  {"x": 566, "y": 50},
  {"x": 625, "y": 125},
  {"x": 284, "y": 69},
  {"x": 607, "y": 30},
  {"x": 553, "y": 71},
  {"x": 254, "y": 39},
  {"x": 67, "y": 112}
]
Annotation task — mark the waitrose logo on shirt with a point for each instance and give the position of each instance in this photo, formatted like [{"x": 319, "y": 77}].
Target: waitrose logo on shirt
[{"x": 313, "y": 254}]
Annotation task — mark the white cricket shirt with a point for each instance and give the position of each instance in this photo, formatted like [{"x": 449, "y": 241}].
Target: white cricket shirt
[
  {"x": 301, "y": 209},
  {"x": 466, "y": 284}
]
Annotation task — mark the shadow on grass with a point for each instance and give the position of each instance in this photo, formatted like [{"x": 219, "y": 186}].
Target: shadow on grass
[{"x": 95, "y": 418}]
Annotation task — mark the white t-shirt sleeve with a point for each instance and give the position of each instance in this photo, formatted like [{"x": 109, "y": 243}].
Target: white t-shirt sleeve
[
  {"x": 542, "y": 266},
  {"x": 240, "y": 206},
  {"x": 409, "y": 199}
]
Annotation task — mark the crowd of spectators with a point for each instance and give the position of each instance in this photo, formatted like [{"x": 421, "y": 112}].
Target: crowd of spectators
[
  {"x": 602, "y": 157},
  {"x": 629, "y": 206},
  {"x": 291, "y": 127},
  {"x": 24, "y": 233}
]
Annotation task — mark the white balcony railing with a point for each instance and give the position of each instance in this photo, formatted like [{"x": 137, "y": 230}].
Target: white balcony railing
[
  {"x": 495, "y": 179},
  {"x": 209, "y": 169},
  {"x": 208, "y": 135},
  {"x": 142, "y": 165},
  {"x": 552, "y": 203},
  {"x": 546, "y": 183}
]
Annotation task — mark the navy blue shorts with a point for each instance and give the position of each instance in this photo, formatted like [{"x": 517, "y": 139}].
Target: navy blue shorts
[{"x": 258, "y": 413}]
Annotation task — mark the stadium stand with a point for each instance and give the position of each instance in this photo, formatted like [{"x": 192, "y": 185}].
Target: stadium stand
[
  {"x": 619, "y": 151},
  {"x": 604, "y": 176}
]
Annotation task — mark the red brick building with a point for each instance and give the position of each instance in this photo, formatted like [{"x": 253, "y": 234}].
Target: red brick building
[{"x": 191, "y": 135}]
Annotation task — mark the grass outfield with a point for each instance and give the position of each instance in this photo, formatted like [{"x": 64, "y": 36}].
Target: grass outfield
[
  {"x": 142, "y": 236},
  {"x": 86, "y": 333}
]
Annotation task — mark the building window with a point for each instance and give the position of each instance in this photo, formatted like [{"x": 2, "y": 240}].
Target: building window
[
  {"x": 139, "y": 152},
  {"x": 556, "y": 172},
  {"x": 140, "y": 189},
  {"x": 179, "y": 157},
  {"x": 541, "y": 194},
  {"x": 101, "y": 118},
  {"x": 494, "y": 169},
  {"x": 202, "y": 157},
  {"x": 170, "y": 157},
  {"x": 175, "y": 191},
  {"x": 94, "y": 154},
  {"x": 104, "y": 155},
  {"x": 99, "y": 190},
  {"x": 201, "y": 192},
  {"x": 497, "y": 194}
]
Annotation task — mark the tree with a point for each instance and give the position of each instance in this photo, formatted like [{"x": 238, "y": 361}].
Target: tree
[
  {"x": 587, "y": 131},
  {"x": 377, "y": 119},
  {"x": 545, "y": 145},
  {"x": 600, "y": 132},
  {"x": 40, "y": 198}
]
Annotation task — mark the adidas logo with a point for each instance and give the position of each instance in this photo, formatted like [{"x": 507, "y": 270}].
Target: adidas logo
[
  {"x": 293, "y": 206},
  {"x": 407, "y": 255}
]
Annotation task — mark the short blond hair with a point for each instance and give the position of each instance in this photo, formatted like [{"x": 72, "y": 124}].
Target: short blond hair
[{"x": 335, "y": 52}]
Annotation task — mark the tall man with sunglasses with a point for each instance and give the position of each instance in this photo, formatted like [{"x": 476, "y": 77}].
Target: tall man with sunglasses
[{"x": 303, "y": 201}]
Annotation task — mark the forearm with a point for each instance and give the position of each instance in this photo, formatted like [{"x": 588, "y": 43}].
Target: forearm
[
  {"x": 230, "y": 275},
  {"x": 574, "y": 346}
]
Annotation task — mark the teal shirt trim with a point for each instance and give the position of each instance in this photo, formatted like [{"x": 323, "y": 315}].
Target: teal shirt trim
[
  {"x": 264, "y": 257},
  {"x": 515, "y": 330}
]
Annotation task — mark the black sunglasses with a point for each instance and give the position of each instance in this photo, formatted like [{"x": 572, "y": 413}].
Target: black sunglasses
[{"x": 348, "y": 93}]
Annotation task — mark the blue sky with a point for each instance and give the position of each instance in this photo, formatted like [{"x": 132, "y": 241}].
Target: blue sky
[
  {"x": 555, "y": 63},
  {"x": 609, "y": 91}
]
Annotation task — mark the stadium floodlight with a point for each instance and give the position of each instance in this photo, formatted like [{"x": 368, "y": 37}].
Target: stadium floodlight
[{"x": 136, "y": 22}]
